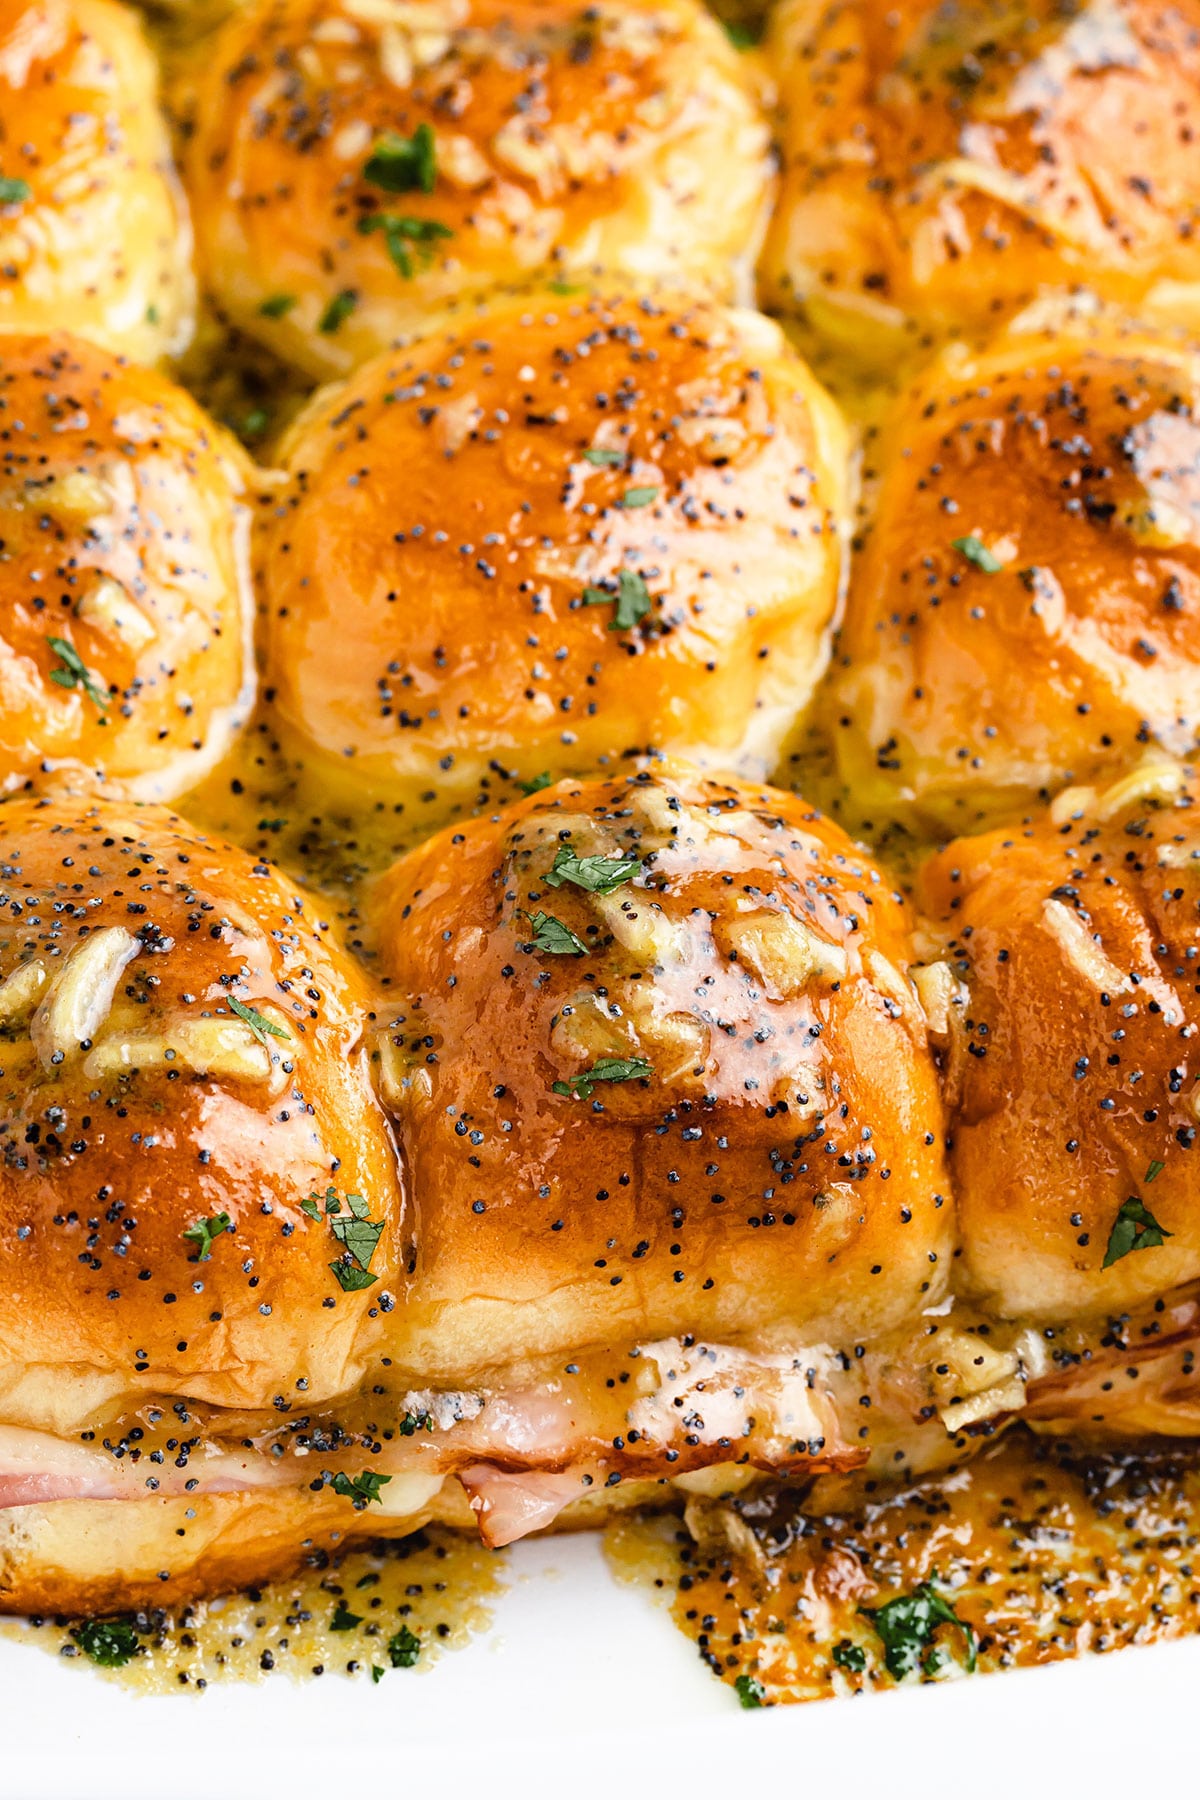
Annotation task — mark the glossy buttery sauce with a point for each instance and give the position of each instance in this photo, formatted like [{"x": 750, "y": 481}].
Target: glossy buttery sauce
[
  {"x": 1032, "y": 1553},
  {"x": 369, "y": 1614},
  {"x": 1041, "y": 1550}
]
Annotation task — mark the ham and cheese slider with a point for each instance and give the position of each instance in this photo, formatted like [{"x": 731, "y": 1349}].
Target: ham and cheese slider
[
  {"x": 199, "y": 1200},
  {"x": 946, "y": 165},
  {"x": 93, "y": 228},
  {"x": 524, "y": 547},
  {"x": 1071, "y": 1016},
  {"x": 1065, "y": 951},
  {"x": 125, "y": 606},
  {"x": 1025, "y": 610},
  {"x": 663, "y": 1095},
  {"x": 354, "y": 165}
]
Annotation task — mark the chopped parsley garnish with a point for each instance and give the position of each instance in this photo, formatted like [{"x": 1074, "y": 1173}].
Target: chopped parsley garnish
[
  {"x": 412, "y": 1422},
  {"x": 1134, "y": 1228},
  {"x": 977, "y": 552},
  {"x": 352, "y": 1276},
  {"x": 544, "y": 780},
  {"x": 595, "y": 874},
  {"x": 609, "y": 1068},
  {"x": 358, "y": 1234},
  {"x": 552, "y": 936},
  {"x": 605, "y": 459},
  {"x": 109, "y": 1642},
  {"x": 849, "y": 1656},
  {"x": 13, "y": 191},
  {"x": 350, "y": 1279},
  {"x": 632, "y": 598},
  {"x": 906, "y": 1627},
  {"x": 404, "y": 165},
  {"x": 362, "y": 1489},
  {"x": 750, "y": 1691},
  {"x": 1156, "y": 1168},
  {"x": 565, "y": 287},
  {"x": 75, "y": 673},
  {"x": 333, "y": 1205},
  {"x": 377, "y": 1674},
  {"x": 639, "y": 496},
  {"x": 258, "y": 1025},
  {"x": 400, "y": 232},
  {"x": 741, "y": 35},
  {"x": 204, "y": 1232},
  {"x": 338, "y": 311},
  {"x": 277, "y": 305},
  {"x": 404, "y": 1648},
  {"x": 343, "y": 1619}
]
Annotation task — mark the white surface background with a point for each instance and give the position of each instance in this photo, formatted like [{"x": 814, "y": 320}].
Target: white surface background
[{"x": 586, "y": 1688}]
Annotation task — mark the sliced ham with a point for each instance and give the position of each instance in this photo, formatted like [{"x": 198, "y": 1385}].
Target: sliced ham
[
  {"x": 522, "y": 1455},
  {"x": 36, "y": 1466},
  {"x": 508, "y": 1507},
  {"x": 34, "y": 1490}
]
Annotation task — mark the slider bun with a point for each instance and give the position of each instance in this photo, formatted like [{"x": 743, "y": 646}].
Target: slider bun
[
  {"x": 95, "y": 231},
  {"x": 779, "y": 1171},
  {"x": 123, "y": 535},
  {"x": 424, "y": 578},
  {"x": 565, "y": 139},
  {"x": 137, "y": 1101},
  {"x": 943, "y": 166},
  {"x": 90, "y": 1557},
  {"x": 1071, "y": 460},
  {"x": 1071, "y": 1070}
]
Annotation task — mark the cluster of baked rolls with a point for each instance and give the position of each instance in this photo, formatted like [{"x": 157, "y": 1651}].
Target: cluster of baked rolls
[{"x": 645, "y": 1128}]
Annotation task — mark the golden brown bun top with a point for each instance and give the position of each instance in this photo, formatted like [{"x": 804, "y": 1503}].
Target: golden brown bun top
[
  {"x": 523, "y": 135},
  {"x": 1026, "y": 608},
  {"x": 1072, "y": 1056},
  {"x": 577, "y": 528},
  {"x": 92, "y": 230},
  {"x": 138, "y": 1102},
  {"x": 758, "y": 1145},
  {"x": 944, "y": 163},
  {"x": 124, "y": 605}
]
